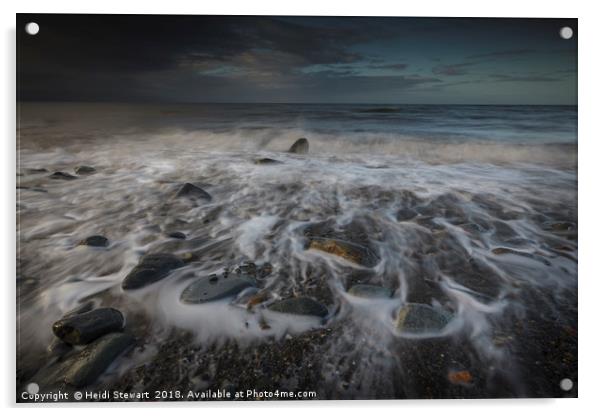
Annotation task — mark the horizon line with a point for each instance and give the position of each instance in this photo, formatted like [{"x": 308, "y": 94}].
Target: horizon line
[{"x": 281, "y": 103}]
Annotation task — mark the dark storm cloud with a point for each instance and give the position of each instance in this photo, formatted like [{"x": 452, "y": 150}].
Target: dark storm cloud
[
  {"x": 97, "y": 47},
  {"x": 453, "y": 69},
  {"x": 396, "y": 67},
  {"x": 524, "y": 78},
  {"x": 478, "y": 59},
  {"x": 502, "y": 54},
  {"x": 347, "y": 86},
  {"x": 159, "y": 42},
  {"x": 270, "y": 58}
]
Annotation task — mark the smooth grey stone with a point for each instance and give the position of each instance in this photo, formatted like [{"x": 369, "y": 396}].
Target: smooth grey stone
[
  {"x": 62, "y": 175},
  {"x": 93, "y": 360},
  {"x": 95, "y": 241},
  {"x": 212, "y": 288},
  {"x": 301, "y": 146},
  {"x": 192, "y": 191},
  {"x": 418, "y": 318},
  {"x": 85, "y": 327},
  {"x": 370, "y": 291},
  {"x": 151, "y": 269},
  {"x": 84, "y": 170},
  {"x": 300, "y": 306}
]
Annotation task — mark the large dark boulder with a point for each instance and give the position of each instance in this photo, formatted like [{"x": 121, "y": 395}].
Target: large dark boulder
[
  {"x": 301, "y": 146},
  {"x": 83, "y": 328},
  {"x": 151, "y": 269}
]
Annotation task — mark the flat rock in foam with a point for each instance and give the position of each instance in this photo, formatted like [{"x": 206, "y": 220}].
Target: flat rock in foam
[
  {"x": 420, "y": 318},
  {"x": 300, "y": 306},
  {"x": 370, "y": 292},
  {"x": 212, "y": 288}
]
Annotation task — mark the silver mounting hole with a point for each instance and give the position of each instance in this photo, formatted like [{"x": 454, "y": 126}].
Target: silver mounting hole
[
  {"x": 33, "y": 388},
  {"x": 32, "y": 28},
  {"x": 566, "y": 32},
  {"x": 566, "y": 384}
]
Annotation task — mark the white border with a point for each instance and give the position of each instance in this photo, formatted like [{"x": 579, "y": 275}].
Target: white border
[{"x": 590, "y": 176}]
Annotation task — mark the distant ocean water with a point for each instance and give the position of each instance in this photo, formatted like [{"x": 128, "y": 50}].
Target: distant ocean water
[
  {"x": 516, "y": 124},
  {"x": 436, "y": 133},
  {"x": 471, "y": 210}
]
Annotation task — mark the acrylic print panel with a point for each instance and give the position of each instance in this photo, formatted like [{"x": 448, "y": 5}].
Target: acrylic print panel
[{"x": 267, "y": 207}]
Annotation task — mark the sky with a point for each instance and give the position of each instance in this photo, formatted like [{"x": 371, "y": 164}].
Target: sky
[{"x": 135, "y": 58}]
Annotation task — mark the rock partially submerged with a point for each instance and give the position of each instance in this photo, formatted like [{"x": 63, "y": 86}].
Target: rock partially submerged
[
  {"x": 301, "y": 146},
  {"x": 420, "y": 318},
  {"x": 84, "y": 328},
  {"x": 253, "y": 271},
  {"x": 267, "y": 161},
  {"x": 370, "y": 292},
  {"x": 95, "y": 241},
  {"x": 212, "y": 288},
  {"x": 352, "y": 252},
  {"x": 151, "y": 269},
  {"x": 93, "y": 360},
  {"x": 62, "y": 176},
  {"x": 505, "y": 250},
  {"x": 190, "y": 190},
  {"x": 255, "y": 299},
  {"x": 406, "y": 214},
  {"x": 563, "y": 226},
  {"x": 34, "y": 171},
  {"x": 84, "y": 170},
  {"x": 177, "y": 234},
  {"x": 58, "y": 348},
  {"x": 350, "y": 242},
  {"x": 300, "y": 306}
]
